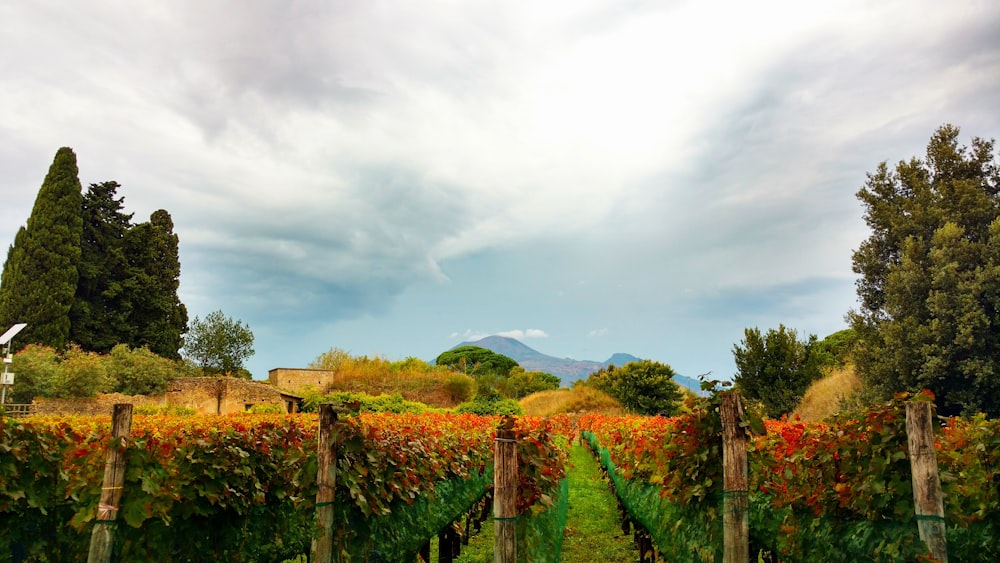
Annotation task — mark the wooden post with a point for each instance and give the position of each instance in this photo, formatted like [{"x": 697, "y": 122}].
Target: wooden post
[
  {"x": 735, "y": 521},
  {"x": 449, "y": 545},
  {"x": 927, "y": 498},
  {"x": 505, "y": 493},
  {"x": 102, "y": 536},
  {"x": 326, "y": 481}
]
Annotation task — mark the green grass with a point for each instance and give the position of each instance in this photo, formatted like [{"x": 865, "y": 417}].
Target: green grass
[{"x": 593, "y": 525}]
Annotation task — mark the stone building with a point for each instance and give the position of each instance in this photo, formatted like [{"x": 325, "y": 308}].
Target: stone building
[{"x": 298, "y": 380}]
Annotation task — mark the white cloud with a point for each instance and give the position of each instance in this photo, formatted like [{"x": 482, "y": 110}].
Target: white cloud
[
  {"x": 326, "y": 162},
  {"x": 519, "y": 334}
]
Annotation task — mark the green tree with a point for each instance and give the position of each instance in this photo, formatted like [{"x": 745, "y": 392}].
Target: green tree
[
  {"x": 929, "y": 286},
  {"x": 99, "y": 318},
  {"x": 219, "y": 344},
  {"x": 836, "y": 349},
  {"x": 39, "y": 279},
  {"x": 476, "y": 361},
  {"x": 644, "y": 387},
  {"x": 775, "y": 368},
  {"x": 520, "y": 383},
  {"x": 156, "y": 315}
]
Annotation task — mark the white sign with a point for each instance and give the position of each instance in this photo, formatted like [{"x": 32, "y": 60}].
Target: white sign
[{"x": 6, "y": 378}]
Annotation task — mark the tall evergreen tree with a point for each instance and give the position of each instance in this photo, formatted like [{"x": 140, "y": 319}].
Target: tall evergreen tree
[
  {"x": 99, "y": 317},
  {"x": 39, "y": 279},
  {"x": 157, "y": 314},
  {"x": 930, "y": 276}
]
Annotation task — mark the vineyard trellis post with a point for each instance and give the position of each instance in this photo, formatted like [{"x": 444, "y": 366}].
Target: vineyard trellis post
[
  {"x": 102, "y": 536},
  {"x": 735, "y": 519},
  {"x": 505, "y": 493},
  {"x": 927, "y": 497},
  {"x": 326, "y": 481}
]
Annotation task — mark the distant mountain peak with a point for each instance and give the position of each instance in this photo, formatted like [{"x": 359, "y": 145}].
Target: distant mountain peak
[{"x": 567, "y": 370}]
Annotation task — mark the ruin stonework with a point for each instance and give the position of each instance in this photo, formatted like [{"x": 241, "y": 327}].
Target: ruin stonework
[
  {"x": 298, "y": 380},
  {"x": 206, "y": 395}
]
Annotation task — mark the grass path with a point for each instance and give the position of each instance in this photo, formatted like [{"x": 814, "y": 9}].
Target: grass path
[
  {"x": 593, "y": 529},
  {"x": 593, "y": 525}
]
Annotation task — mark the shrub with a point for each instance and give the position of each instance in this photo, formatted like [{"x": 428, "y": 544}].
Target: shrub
[
  {"x": 164, "y": 410},
  {"x": 490, "y": 402},
  {"x": 265, "y": 408}
]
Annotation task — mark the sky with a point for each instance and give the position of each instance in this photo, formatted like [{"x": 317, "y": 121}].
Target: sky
[{"x": 590, "y": 177}]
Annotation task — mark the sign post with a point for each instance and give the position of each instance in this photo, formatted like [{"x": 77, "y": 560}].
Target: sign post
[{"x": 7, "y": 378}]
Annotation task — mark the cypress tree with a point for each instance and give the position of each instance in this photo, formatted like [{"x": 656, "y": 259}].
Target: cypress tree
[
  {"x": 157, "y": 315},
  {"x": 99, "y": 317},
  {"x": 39, "y": 279}
]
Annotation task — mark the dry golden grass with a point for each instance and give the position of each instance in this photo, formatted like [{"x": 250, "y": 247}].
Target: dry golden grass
[
  {"x": 415, "y": 380},
  {"x": 823, "y": 397},
  {"x": 581, "y": 399}
]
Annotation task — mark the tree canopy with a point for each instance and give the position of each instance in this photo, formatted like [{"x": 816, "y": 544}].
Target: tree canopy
[
  {"x": 156, "y": 314},
  {"x": 644, "y": 387},
  {"x": 219, "y": 344},
  {"x": 929, "y": 286},
  {"x": 100, "y": 314},
  {"x": 80, "y": 271},
  {"x": 775, "y": 368},
  {"x": 39, "y": 279},
  {"x": 475, "y": 361}
]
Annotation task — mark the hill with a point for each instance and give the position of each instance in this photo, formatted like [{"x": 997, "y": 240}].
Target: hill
[{"x": 567, "y": 370}]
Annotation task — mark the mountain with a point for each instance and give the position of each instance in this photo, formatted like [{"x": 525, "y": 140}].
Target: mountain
[{"x": 567, "y": 370}]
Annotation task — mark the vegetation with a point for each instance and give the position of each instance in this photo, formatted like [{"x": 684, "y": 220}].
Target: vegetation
[
  {"x": 476, "y": 361},
  {"x": 157, "y": 316},
  {"x": 520, "y": 383},
  {"x": 489, "y": 401},
  {"x": 99, "y": 318},
  {"x": 592, "y": 522},
  {"x": 830, "y": 394},
  {"x": 776, "y": 368},
  {"x": 834, "y": 491},
  {"x": 413, "y": 379},
  {"x": 363, "y": 402},
  {"x": 580, "y": 399},
  {"x": 164, "y": 410},
  {"x": 243, "y": 487},
  {"x": 219, "y": 344},
  {"x": 40, "y": 276},
  {"x": 43, "y": 371},
  {"x": 81, "y": 272},
  {"x": 644, "y": 387},
  {"x": 929, "y": 282}
]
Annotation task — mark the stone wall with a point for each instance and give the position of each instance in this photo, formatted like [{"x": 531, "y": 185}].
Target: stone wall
[
  {"x": 297, "y": 380},
  {"x": 206, "y": 395},
  {"x": 101, "y": 404}
]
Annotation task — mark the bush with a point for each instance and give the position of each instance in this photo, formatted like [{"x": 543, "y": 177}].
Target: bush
[
  {"x": 522, "y": 383},
  {"x": 459, "y": 387},
  {"x": 265, "y": 408},
  {"x": 394, "y": 403},
  {"x": 164, "y": 410},
  {"x": 141, "y": 372},
  {"x": 490, "y": 402}
]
